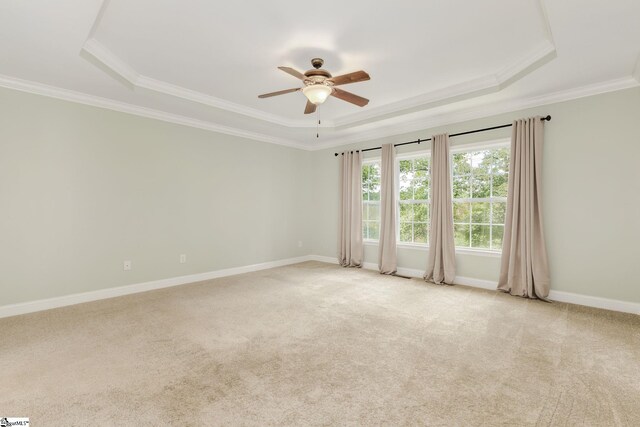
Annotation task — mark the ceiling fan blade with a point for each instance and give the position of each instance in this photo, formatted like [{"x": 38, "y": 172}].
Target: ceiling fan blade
[
  {"x": 355, "y": 77},
  {"x": 349, "y": 97},
  {"x": 280, "y": 92},
  {"x": 295, "y": 73},
  {"x": 310, "y": 108}
]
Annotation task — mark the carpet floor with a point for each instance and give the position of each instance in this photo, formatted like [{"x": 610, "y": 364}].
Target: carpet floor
[{"x": 315, "y": 344}]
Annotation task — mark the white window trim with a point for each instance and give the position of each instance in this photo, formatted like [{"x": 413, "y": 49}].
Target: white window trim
[
  {"x": 478, "y": 251},
  {"x": 482, "y": 145},
  {"x": 414, "y": 246},
  {"x": 399, "y": 158},
  {"x": 371, "y": 160},
  {"x": 479, "y": 146},
  {"x": 413, "y": 155},
  {"x": 423, "y": 248},
  {"x": 366, "y": 162}
]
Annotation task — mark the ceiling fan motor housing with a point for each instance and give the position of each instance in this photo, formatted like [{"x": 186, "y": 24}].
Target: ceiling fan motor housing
[
  {"x": 319, "y": 72},
  {"x": 316, "y": 75}
]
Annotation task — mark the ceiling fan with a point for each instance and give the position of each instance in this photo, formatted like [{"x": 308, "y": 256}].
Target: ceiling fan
[{"x": 319, "y": 84}]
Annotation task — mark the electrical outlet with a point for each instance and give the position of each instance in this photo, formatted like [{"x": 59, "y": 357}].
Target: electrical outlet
[
  {"x": 183, "y": 258},
  {"x": 126, "y": 265},
  {"x": 299, "y": 243}
]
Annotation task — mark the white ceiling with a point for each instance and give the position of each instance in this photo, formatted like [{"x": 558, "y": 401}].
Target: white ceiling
[{"x": 203, "y": 63}]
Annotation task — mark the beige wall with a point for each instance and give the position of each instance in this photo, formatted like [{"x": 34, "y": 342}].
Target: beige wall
[
  {"x": 82, "y": 189},
  {"x": 591, "y": 184}
]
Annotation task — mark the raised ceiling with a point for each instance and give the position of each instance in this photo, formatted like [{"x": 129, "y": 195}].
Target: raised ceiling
[{"x": 203, "y": 64}]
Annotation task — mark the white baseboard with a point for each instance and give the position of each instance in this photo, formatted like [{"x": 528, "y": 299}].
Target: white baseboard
[
  {"x": 49, "y": 303},
  {"x": 411, "y": 272},
  {"x": 560, "y": 296},
  {"x": 370, "y": 266},
  {"x": 597, "y": 302},
  {"x": 476, "y": 283}
]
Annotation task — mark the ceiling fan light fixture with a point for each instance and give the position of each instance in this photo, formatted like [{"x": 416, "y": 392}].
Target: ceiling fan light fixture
[
  {"x": 319, "y": 84},
  {"x": 317, "y": 93}
]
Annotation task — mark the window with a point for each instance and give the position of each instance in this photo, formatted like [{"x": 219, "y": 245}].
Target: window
[
  {"x": 413, "y": 199},
  {"x": 371, "y": 200},
  {"x": 480, "y": 180}
]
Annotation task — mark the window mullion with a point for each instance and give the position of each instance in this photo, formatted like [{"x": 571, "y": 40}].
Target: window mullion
[{"x": 491, "y": 205}]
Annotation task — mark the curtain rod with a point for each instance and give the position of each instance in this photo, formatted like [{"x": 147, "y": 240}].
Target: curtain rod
[{"x": 418, "y": 141}]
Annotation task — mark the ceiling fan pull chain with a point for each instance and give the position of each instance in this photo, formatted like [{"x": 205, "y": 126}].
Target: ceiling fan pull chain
[{"x": 318, "y": 125}]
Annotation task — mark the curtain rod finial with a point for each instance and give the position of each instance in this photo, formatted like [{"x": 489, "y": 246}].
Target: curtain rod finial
[{"x": 548, "y": 118}]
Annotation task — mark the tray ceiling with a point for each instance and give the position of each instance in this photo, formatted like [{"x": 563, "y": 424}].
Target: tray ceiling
[{"x": 204, "y": 65}]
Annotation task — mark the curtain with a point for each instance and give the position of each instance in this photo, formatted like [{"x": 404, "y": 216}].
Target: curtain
[
  {"x": 524, "y": 270},
  {"x": 441, "y": 260},
  {"x": 351, "y": 250},
  {"x": 387, "y": 259}
]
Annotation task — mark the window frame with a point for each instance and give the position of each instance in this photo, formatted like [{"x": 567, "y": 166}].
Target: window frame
[
  {"x": 409, "y": 156},
  {"x": 367, "y": 162},
  {"x": 479, "y": 146}
]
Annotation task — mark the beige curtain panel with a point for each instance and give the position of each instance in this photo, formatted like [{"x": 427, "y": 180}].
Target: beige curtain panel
[
  {"x": 387, "y": 257},
  {"x": 441, "y": 261},
  {"x": 524, "y": 270},
  {"x": 351, "y": 251}
]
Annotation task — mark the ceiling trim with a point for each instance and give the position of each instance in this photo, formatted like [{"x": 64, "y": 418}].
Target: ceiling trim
[
  {"x": 545, "y": 52},
  {"x": 114, "y": 63},
  {"x": 364, "y": 132},
  {"x": 123, "y": 107},
  {"x": 111, "y": 61},
  {"x": 426, "y": 121},
  {"x": 481, "y": 86},
  {"x": 523, "y": 66},
  {"x": 544, "y": 15}
]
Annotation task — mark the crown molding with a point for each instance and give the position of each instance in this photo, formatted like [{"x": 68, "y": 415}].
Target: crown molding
[
  {"x": 544, "y": 17},
  {"x": 96, "y": 101},
  {"x": 458, "y": 92},
  {"x": 491, "y": 83},
  {"x": 385, "y": 128},
  {"x": 423, "y": 120},
  {"x": 111, "y": 61},
  {"x": 114, "y": 63},
  {"x": 543, "y": 53},
  {"x": 465, "y": 90}
]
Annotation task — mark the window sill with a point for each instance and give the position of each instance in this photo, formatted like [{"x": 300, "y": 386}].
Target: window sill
[
  {"x": 419, "y": 247},
  {"x": 416, "y": 246},
  {"x": 398, "y": 245},
  {"x": 478, "y": 252}
]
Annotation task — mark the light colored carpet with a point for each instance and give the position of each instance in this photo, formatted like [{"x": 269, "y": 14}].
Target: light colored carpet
[{"x": 315, "y": 344}]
